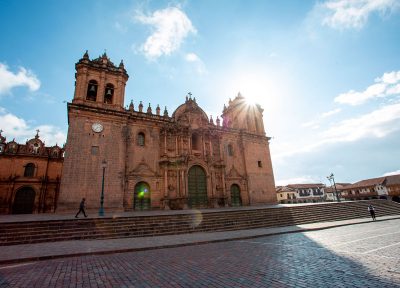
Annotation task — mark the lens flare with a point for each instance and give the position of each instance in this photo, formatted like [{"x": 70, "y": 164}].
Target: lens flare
[{"x": 196, "y": 218}]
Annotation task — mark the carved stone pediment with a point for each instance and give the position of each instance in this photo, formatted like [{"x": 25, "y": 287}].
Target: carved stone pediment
[
  {"x": 142, "y": 169},
  {"x": 233, "y": 173}
]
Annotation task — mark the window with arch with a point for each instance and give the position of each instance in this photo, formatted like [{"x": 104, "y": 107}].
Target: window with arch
[
  {"x": 195, "y": 142},
  {"x": 109, "y": 94},
  {"x": 91, "y": 94},
  {"x": 141, "y": 139},
  {"x": 29, "y": 170},
  {"x": 230, "y": 149}
]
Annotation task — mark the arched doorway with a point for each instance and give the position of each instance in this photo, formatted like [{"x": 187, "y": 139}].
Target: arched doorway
[
  {"x": 141, "y": 196},
  {"x": 235, "y": 196},
  {"x": 24, "y": 201},
  {"x": 197, "y": 187}
]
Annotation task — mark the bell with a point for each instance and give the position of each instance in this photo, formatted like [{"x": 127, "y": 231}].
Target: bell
[
  {"x": 108, "y": 92},
  {"x": 92, "y": 88}
]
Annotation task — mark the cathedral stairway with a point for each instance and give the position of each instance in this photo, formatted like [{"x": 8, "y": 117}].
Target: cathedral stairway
[{"x": 190, "y": 221}]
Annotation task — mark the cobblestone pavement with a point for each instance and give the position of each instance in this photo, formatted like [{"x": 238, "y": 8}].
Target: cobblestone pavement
[{"x": 365, "y": 255}]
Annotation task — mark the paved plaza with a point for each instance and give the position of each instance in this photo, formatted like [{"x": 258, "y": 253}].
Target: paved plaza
[{"x": 362, "y": 255}]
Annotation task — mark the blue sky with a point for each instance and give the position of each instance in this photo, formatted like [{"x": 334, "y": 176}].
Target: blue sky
[{"x": 326, "y": 72}]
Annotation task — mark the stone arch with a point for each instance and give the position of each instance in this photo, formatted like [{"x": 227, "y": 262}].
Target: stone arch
[
  {"x": 236, "y": 200},
  {"x": 142, "y": 196},
  {"x": 197, "y": 187},
  {"x": 24, "y": 201}
]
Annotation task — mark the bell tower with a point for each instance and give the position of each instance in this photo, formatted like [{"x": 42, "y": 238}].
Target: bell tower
[
  {"x": 100, "y": 83},
  {"x": 96, "y": 124},
  {"x": 244, "y": 116}
]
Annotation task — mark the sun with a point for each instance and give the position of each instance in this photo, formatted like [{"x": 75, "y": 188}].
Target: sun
[{"x": 250, "y": 100}]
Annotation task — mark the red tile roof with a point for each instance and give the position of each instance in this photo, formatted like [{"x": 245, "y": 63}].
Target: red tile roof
[{"x": 306, "y": 186}]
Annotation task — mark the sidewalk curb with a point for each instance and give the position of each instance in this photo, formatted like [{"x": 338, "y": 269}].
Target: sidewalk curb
[{"x": 125, "y": 250}]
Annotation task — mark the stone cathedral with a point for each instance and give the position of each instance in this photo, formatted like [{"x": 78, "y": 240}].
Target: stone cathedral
[{"x": 143, "y": 158}]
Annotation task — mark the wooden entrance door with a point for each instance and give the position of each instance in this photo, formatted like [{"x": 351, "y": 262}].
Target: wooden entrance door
[
  {"x": 236, "y": 200},
  {"x": 141, "y": 197},
  {"x": 24, "y": 201},
  {"x": 197, "y": 187}
]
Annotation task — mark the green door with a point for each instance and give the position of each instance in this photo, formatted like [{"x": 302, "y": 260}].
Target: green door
[
  {"x": 141, "y": 197},
  {"x": 197, "y": 186},
  {"x": 24, "y": 201},
  {"x": 235, "y": 195}
]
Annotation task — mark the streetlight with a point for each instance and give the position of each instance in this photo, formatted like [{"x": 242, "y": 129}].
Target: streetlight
[
  {"x": 332, "y": 178},
  {"x": 101, "y": 210}
]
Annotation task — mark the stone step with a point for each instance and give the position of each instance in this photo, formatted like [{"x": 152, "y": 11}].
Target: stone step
[{"x": 138, "y": 226}]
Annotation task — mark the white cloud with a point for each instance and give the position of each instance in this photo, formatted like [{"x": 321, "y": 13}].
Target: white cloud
[
  {"x": 18, "y": 128},
  {"x": 378, "y": 123},
  {"x": 387, "y": 85},
  {"x": 330, "y": 113},
  {"x": 296, "y": 180},
  {"x": 392, "y": 173},
  {"x": 171, "y": 26},
  {"x": 310, "y": 124},
  {"x": 191, "y": 57},
  {"x": 199, "y": 64},
  {"x": 24, "y": 77},
  {"x": 354, "y": 13},
  {"x": 315, "y": 124}
]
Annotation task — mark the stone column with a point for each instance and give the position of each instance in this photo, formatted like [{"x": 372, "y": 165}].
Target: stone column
[{"x": 166, "y": 199}]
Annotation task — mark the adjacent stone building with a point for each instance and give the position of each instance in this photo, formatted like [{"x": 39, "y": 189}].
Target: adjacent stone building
[
  {"x": 30, "y": 176},
  {"x": 386, "y": 187},
  {"x": 153, "y": 160},
  {"x": 301, "y": 193}
]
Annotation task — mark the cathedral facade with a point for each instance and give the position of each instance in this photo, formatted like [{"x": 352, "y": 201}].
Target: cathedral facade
[{"x": 141, "y": 159}]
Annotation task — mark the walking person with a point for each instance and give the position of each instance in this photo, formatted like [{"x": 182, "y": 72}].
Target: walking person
[
  {"x": 371, "y": 210},
  {"x": 81, "y": 208}
]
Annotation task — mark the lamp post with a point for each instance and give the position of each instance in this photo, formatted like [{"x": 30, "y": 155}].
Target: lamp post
[
  {"x": 101, "y": 210},
  {"x": 332, "y": 178}
]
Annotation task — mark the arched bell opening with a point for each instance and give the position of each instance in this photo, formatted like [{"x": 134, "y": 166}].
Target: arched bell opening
[
  {"x": 91, "y": 94},
  {"x": 109, "y": 94}
]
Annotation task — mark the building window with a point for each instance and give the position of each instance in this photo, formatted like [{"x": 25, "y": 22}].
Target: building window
[
  {"x": 29, "y": 170},
  {"x": 140, "y": 139},
  {"x": 230, "y": 150},
  {"x": 108, "y": 94},
  {"x": 259, "y": 164},
  {"x": 95, "y": 150},
  {"x": 195, "y": 142},
  {"x": 91, "y": 94}
]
